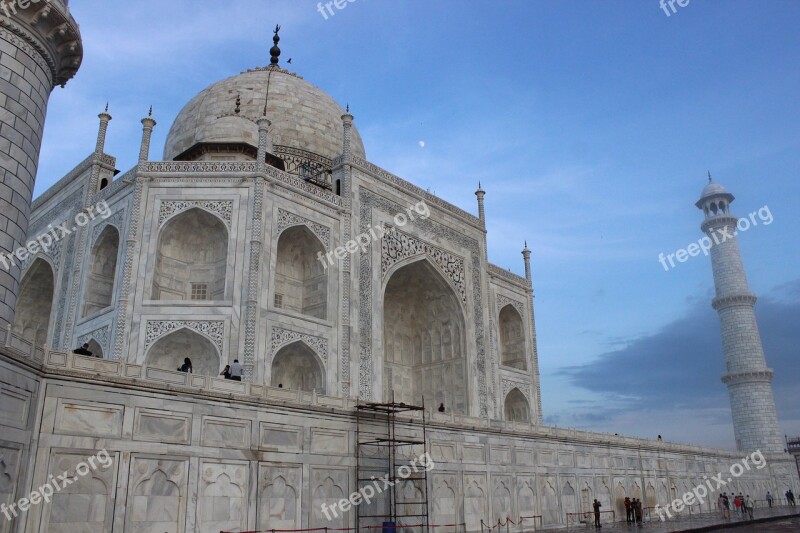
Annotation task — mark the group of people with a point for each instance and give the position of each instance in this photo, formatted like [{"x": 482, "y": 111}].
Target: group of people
[
  {"x": 83, "y": 349},
  {"x": 789, "y": 498},
  {"x": 233, "y": 371},
  {"x": 742, "y": 504},
  {"x": 633, "y": 510}
]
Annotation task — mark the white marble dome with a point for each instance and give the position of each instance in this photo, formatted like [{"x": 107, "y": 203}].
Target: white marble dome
[{"x": 303, "y": 116}]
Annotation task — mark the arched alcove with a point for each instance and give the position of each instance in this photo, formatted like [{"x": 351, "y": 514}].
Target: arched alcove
[
  {"x": 516, "y": 407},
  {"x": 301, "y": 281},
  {"x": 95, "y": 348},
  {"x": 35, "y": 302},
  {"x": 169, "y": 351},
  {"x": 191, "y": 258},
  {"x": 423, "y": 335},
  {"x": 512, "y": 338},
  {"x": 295, "y": 366},
  {"x": 99, "y": 290}
]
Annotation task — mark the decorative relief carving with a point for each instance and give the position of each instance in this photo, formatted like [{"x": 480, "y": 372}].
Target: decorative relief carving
[
  {"x": 213, "y": 329},
  {"x": 281, "y": 337},
  {"x": 170, "y": 208},
  {"x": 503, "y": 300},
  {"x": 217, "y": 167},
  {"x": 510, "y": 276},
  {"x": 287, "y": 219},
  {"x": 252, "y": 282},
  {"x": 297, "y": 183},
  {"x": 396, "y": 246},
  {"x": 524, "y": 388},
  {"x": 128, "y": 254}
]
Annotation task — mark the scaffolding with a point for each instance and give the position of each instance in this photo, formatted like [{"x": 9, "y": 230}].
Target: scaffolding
[{"x": 388, "y": 457}]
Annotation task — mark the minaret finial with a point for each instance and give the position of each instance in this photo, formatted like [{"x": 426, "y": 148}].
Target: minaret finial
[
  {"x": 106, "y": 109},
  {"x": 150, "y": 112},
  {"x": 347, "y": 108},
  {"x": 275, "y": 52}
]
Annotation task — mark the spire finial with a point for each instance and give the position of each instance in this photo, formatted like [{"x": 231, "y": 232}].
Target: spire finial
[
  {"x": 238, "y": 104},
  {"x": 106, "y": 110},
  {"x": 150, "y": 112},
  {"x": 275, "y": 52},
  {"x": 347, "y": 108},
  {"x": 709, "y": 176}
]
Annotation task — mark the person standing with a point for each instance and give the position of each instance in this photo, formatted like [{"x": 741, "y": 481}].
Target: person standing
[
  {"x": 637, "y": 510},
  {"x": 597, "y": 506},
  {"x": 748, "y": 506},
  {"x": 721, "y": 505},
  {"x": 726, "y": 502},
  {"x": 236, "y": 371},
  {"x": 769, "y": 499},
  {"x": 628, "y": 509}
]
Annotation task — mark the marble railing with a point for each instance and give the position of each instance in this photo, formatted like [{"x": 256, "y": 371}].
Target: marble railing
[{"x": 53, "y": 363}]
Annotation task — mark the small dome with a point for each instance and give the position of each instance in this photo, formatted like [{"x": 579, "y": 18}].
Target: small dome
[
  {"x": 302, "y": 116},
  {"x": 712, "y": 189}
]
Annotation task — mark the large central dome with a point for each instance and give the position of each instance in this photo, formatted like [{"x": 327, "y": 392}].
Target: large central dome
[{"x": 303, "y": 116}]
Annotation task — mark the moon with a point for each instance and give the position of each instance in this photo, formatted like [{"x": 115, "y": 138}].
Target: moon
[{"x": 422, "y": 144}]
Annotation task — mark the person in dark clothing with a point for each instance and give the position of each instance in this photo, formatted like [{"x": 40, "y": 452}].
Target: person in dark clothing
[
  {"x": 226, "y": 373},
  {"x": 628, "y": 509},
  {"x": 186, "y": 366},
  {"x": 441, "y": 407},
  {"x": 83, "y": 350},
  {"x": 637, "y": 510},
  {"x": 597, "y": 505}
]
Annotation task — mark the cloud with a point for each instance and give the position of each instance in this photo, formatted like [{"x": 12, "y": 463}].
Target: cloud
[{"x": 668, "y": 382}]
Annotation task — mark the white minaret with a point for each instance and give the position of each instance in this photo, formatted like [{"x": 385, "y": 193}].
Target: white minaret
[{"x": 755, "y": 422}]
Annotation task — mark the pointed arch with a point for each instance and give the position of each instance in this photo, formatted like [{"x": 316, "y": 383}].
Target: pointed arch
[
  {"x": 418, "y": 301},
  {"x": 301, "y": 279},
  {"x": 296, "y": 366},
  {"x": 95, "y": 348},
  {"x": 169, "y": 351},
  {"x": 191, "y": 257},
  {"x": 512, "y": 338},
  {"x": 35, "y": 301},
  {"x": 516, "y": 407},
  {"x": 101, "y": 273}
]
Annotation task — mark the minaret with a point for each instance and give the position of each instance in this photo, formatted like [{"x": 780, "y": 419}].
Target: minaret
[
  {"x": 41, "y": 46},
  {"x": 148, "y": 123},
  {"x": 480, "y": 193},
  {"x": 755, "y": 421}
]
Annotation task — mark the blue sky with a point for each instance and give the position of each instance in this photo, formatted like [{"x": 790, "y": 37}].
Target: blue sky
[{"x": 591, "y": 126}]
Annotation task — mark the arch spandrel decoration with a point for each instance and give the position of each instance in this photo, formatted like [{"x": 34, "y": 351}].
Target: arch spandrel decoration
[
  {"x": 281, "y": 337},
  {"x": 524, "y": 388},
  {"x": 287, "y": 219},
  {"x": 503, "y": 300},
  {"x": 213, "y": 329},
  {"x": 222, "y": 208},
  {"x": 397, "y": 245}
]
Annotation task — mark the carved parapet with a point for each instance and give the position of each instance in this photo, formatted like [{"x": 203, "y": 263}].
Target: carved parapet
[
  {"x": 733, "y": 301},
  {"x": 746, "y": 377}
]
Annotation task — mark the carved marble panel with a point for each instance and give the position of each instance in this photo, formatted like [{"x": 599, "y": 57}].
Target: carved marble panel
[
  {"x": 222, "y": 496},
  {"x": 279, "y": 496},
  {"x": 225, "y": 432},
  {"x": 282, "y": 337},
  {"x": 157, "y": 495},
  {"x": 88, "y": 502},
  {"x": 162, "y": 426},
  {"x": 328, "y": 487},
  {"x": 83, "y": 418},
  {"x": 14, "y": 405},
  {"x": 287, "y": 219},
  {"x": 476, "y": 501},
  {"x": 213, "y": 329}
]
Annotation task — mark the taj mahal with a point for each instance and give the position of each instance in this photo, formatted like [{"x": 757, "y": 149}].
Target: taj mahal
[{"x": 216, "y": 251}]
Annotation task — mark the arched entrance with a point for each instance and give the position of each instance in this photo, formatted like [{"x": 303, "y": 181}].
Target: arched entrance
[
  {"x": 191, "y": 258},
  {"x": 516, "y": 407},
  {"x": 99, "y": 290},
  {"x": 512, "y": 338},
  {"x": 295, "y": 366},
  {"x": 301, "y": 282},
  {"x": 424, "y": 339},
  {"x": 35, "y": 302},
  {"x": 169, "y": 351}
]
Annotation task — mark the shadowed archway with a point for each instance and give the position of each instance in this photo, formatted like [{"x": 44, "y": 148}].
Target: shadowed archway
[
  {"x": 424, "y": 339},
  {"x": 35, "y": 302}
]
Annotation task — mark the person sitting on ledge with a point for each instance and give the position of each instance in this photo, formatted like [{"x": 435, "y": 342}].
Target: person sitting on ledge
[
  {"x": 83, "y": 350},
  {"x": 236, "y": 371},
  {"x": 441, "y": 407},
  {"x": 226, "y": 372},
  {"x": 186, "y": 366}
]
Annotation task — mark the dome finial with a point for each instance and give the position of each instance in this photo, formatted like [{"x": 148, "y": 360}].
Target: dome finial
[
  {"x": 709, "y": 176},
  {"x": 238, "y": 108},
  {"x": 275, "y": 52}
]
